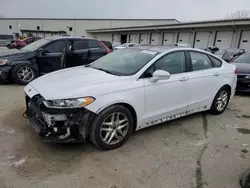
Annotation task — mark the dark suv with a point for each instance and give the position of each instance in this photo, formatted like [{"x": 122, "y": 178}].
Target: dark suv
[{"x": 47, "y": 55}]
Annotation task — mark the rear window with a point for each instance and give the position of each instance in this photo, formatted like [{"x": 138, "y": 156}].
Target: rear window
[
  {"x": 94, "y": 44},
  {"x": 244, "y": 58}
]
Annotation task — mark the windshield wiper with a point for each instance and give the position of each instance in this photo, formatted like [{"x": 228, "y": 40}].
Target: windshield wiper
[{"x": 107, "y": 71}]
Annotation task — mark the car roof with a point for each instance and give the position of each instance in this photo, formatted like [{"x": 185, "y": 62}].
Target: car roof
[
  {"x": 157, "y": 48},
  {"x": 67, "y": 37}
]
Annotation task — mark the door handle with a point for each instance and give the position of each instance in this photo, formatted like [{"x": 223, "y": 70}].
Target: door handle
[
  {"x": 216, "y": 74},
  {"x": 185, "y": 78}
]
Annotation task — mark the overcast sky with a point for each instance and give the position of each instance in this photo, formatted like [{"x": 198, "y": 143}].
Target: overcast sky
[{"x": 183, "y": 10}]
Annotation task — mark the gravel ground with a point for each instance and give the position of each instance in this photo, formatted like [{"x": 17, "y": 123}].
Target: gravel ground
[{"x": 199, "y": 151}]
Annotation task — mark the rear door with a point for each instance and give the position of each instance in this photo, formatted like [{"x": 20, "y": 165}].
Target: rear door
[
  {"x": 203, "y": 79},
  {"x": 79, "y": 53},
  {"x": 97, "y": 50},
  {"x": 50, "y": 59}
]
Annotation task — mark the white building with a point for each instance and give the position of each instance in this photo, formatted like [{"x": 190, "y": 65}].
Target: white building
[{"x": 220, "y": 33}]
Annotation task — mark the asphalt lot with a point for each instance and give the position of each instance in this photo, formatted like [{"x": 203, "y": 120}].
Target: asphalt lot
[{"x": 198, "y": 151}]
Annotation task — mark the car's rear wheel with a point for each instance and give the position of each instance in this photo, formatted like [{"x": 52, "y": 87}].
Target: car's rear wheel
[
  {"x": 112, "y": 127},
  {"x": 220, "y": 101},
  {"x": 23, "y": 74}
]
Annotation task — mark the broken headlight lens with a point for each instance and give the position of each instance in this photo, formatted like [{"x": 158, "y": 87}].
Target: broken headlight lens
[{"x": 69, "y": 103}]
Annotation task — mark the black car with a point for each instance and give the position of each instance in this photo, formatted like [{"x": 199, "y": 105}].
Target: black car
[
  {"x": 229, "y": 54},
  {"x": 47, "y": 55},
  {"x": 243, "y": 68}
]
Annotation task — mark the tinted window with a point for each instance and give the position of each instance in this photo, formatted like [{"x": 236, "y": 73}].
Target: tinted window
[
  {"x": 56, "y": 47},
  {"x": 173, "y": 63},
  {"x": 94, "y": 44},
  {"x": 200, "y": 61},
  {"x": 244, "y": 58},
  {"x": 80, "y": 45},
  {"x": 124, "y": 62},
  {"x": 217, "y": 62}
]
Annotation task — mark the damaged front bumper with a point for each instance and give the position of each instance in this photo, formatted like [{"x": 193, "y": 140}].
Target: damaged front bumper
[
  {"x": 58, "y": 125},
  {"x": 4, "y": 73}
]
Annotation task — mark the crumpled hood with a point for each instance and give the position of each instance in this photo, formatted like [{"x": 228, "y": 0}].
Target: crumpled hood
[
  {"x": 242, "y": 68},
  {"x": 13, "y": 53},
  {"x": 76, "y": 82}
]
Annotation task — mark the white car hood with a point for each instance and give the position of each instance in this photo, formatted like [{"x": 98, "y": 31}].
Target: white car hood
[{"x": 73, "y": 83}]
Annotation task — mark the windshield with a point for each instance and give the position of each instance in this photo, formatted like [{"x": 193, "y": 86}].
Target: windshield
[
  {"x": 124, "y": 62},
  {"x": 35, "y": 45},
  {"x": 244, "y": 58}
]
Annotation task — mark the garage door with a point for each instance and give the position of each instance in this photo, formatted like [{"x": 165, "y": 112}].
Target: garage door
[
  {"x": 245, "y": 40},
  {"x": 144, "y": 38},
  {"x": 168, "y": 38},
  {"x": 117, "y": 38},
  {"x": 223, "y": 39},
  {"x": 133, "y": 38},
  {"x": 155, "y": 38},
  {"x": 104, "y": 36},
  {"x": 201, "y": 39},
  {"x": 184, "y": 38}
]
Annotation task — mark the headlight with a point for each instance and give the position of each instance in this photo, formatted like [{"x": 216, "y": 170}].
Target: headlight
[
  {"x": 3, "y": 61},
  {"x": 69, "y": 103}
]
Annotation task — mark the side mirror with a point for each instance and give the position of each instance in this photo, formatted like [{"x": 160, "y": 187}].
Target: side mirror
[{"x": 160, "y": 75}]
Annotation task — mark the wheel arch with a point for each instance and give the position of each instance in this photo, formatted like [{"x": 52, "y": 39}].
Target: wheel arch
[
  {"x": 126, "y": 105},
  {"x": 227, "y": 86}
]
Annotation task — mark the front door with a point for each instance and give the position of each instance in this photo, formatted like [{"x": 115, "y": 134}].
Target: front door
[
  {"x": 204, "y": 81},
  {"x": 50, "y": 59},
  {"x": 166, "y": 98}
]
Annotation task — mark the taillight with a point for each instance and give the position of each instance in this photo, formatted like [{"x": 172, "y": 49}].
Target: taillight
[
  {"x": 108, "y": 50},
  {"x": 235, "y": 71}
]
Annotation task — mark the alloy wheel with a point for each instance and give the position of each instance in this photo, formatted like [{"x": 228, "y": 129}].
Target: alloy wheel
[
  {"x": 26, "y": 74},
  {"x": 222, "y": 100},
  {"x": 114, "y": 128}
]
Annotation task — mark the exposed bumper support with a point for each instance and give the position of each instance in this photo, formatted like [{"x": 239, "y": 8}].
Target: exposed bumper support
[{"x": 60, "y": 126}]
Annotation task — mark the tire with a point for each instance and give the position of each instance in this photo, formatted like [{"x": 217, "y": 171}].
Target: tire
[
  {"x": 18, "y": 68},
  {"x": 215, "y": 105},
  {"x": 97, "y": 136},
  {"x": 245, "y": 179}
]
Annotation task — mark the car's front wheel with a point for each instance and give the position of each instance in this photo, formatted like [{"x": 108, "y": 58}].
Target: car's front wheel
[
  {"x": 220, "y": 101},
  {"x": 23, "y": 74},
  {"x": 112, "y": 127}
]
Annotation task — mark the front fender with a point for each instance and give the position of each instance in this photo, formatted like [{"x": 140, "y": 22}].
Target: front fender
[{"x": 18, "y": 62}]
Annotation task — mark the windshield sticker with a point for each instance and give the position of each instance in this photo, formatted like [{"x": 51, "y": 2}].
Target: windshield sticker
[{"x": 149, "y": 52}]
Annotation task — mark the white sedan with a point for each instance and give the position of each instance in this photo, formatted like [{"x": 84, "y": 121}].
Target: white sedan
[{"x": 126, "y": 91}]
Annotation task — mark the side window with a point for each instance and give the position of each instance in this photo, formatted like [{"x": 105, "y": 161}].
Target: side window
[
  {"x": 216, "y": 61},
  {"x": 200, "y": 61},
  {"x": 80, "y": 45},
  {"x": 56, "y": 47},
  {"x": 173, "y": 63},
  {"x": 94, "y": 44}
]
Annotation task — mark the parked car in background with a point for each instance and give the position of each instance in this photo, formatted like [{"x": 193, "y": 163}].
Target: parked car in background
[
  {"x": 229, "y": 54},
  {"x": 18, "y": 43},
  {"x": 48, "y": 55},
  {"x": 108, "y": 44},
  {"x": 182, "y": 45},
  {"x": 243, "y": 67},
  {"x": 125, "y": 91},
  {"x": 125, "y": 45},
  {"x": 211, "y": 49}
]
